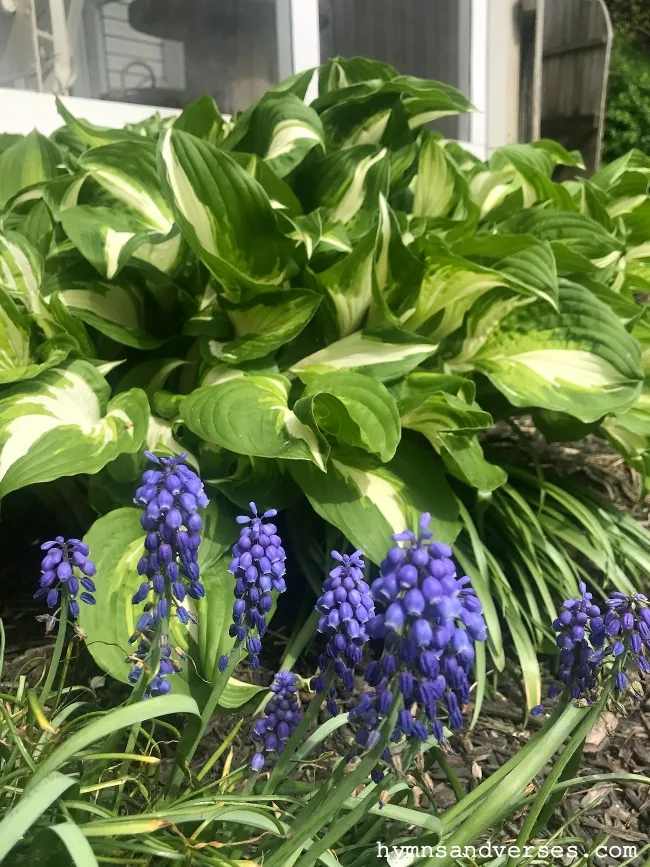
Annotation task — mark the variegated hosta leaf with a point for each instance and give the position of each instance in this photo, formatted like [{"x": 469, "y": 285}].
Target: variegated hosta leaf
[
  {"x": 350, "y": 181},
  {"x": 436, "y": 185},
  {"x": 91, "y": 135},
  {"x": 353, "y": 408},
  {"x": 18, "y": 359},
  {"x": 397, "y": 274},
  {"x": 250, "y": 415},
  {"x": 349, "y": 285},
  {"x": 61, "y": 423},
  {"x": 282, "y": 197},
  {"x": 282, "y": 130},
  {"x": 580, "y": 360},
  {"x": 122, "y": 309},
  {"x": 375, "y": 97},
  {"x": 109, "y": 238},
  {"x": 224, "y": 214},
  {"x": 21, "y": 270},
  {"x": 137, "y": 221},
  {"x": 203, "y": 119},
  {"x": 568, "y": 231},
  {"x": 368, "y": 501},
  {"x": 117, "y": 543},
  {"x": 452, "y": 284},
  {"x": 440, "y": 408},
  {"x": 129, "y": 172},
  {"x": 319, "y": 235},
  {"x": 28, "y": 162},
  {"x": 385, "y": 355},
  {"x": 265, "y": 323}
]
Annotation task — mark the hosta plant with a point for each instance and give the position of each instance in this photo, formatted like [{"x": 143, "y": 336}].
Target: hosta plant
[{"x": 325, "y": 307}]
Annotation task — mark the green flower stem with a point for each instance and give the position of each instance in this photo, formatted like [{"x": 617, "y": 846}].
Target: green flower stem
[
  {"x": 312, "y": 818},
  {"x": 192, "y": 735},
  {"x": 58, "y": 647},
  {"x": 282, "y": 766}
]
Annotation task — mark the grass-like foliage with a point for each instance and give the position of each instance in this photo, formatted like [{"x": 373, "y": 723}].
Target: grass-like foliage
[{"x": 322, "y": 309}]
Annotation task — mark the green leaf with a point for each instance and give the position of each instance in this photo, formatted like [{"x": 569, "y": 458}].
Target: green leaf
[
  {"x": 282, "y": 130},
  {"x": 122, "y": 309},
  {"x": 100, "y": 729},
  {"x": 435, "y": 185},
  {"x": 580, "y": 234},
  {"x": 17, "y": 361},
  {"x": 31, "y": 807},
  {"x": 92, "y": 135},
  {"x": 21, "y": 269},
  {"x": 223, "y": 213},
  {"x": 78, "y": 847},
  {"x": 129, "y": 172},
  {"x": 14, "y": 337},
  {"x": 61, "y": 423},
  {"x": 580, "y": 360},
  {"x": 431, "y": 405},
  {"x": 354, "y": 409},
  {"x": 349, "y": 182},
  {"x": 349, "y": 285},
  {"x": 31, "y": 160},
  {"x": 451, "y": 284},
  {"x": 250, "y": 415},
  {"x": 629, "y": 433},
  {"x": 107, "y": 238},
  {"x": 265, "y": 323},
  {"x": 368, "y": 501},
  {"x": 384, "y": 355},
  {"x": 203, "y": 119}
]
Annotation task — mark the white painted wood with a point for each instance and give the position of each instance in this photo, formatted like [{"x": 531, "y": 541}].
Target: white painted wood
[
  {"x": 21, "y": 111},
  {"x": 305, "y": 40},
  {"x": 478, "y": 91}
]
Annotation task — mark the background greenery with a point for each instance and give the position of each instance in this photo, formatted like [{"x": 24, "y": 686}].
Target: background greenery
[{"x": 627, "y": 122}]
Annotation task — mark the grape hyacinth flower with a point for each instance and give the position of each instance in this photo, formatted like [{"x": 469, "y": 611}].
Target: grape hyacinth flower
[
  {"x": 578, "y": 668},
  {"x": 346, "y": 606},
  {"x": 66, "y": 566},
  {"x": 281, "y": 716},
  {"x": 171, "y": 496},
  {"x": 258, "y": 565},
  {"x": 624, "y": 632},
  {"x": 169, "y": 662},
  {"x": 428, "y": 622}
]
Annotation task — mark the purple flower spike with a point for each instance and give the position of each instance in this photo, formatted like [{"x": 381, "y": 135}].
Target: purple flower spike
[
  {"x": 66, "y": 565},
  {"x": 346, "y": 606},
  {"x": 171, "y": 496},
  {"x": 578, "y": 627},
  {"x": 258, "y": 565},
  {"x": 427, "y": 620},
  {"x": 281, "y": 716},
  {"x": 625, "y": 628}
]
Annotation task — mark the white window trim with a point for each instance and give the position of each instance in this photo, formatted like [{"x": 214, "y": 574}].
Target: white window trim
[
  {"x": 298, "y": 36},
  {"x": 22, "y": 111}
]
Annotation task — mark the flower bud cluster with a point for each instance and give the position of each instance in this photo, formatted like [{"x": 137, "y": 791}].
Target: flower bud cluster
[
  {"x": 281, "y": 716},
  {"x": 66, "y": 566},
  {"x": 258, "y": 565},
  {"x": 345, "y": 607},
  {"x": 625, "y": 629},
  {"x": 171, "y": 496},
  {"x": 428, "y": 622}
]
